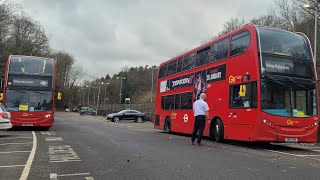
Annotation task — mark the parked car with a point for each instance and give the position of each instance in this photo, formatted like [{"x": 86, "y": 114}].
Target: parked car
[
  {"x": 4, "y": 118},
  {"x": 88, "y": 111},
  {"x": 127, "y": 115},
  {"x": 75, "y": 109}
]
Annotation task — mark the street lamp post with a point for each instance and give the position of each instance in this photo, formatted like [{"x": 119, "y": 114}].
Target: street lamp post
[
  {"x": 99, "y": 94},
  {"x": 315, "y": 8},
  {"x": 121, "y": 78},
  {"x": 84, "y": 93},
  {"x": 105, "y": 94},
  {"x": 152, "y": 74},
  {"x": 88, "y": 96}
]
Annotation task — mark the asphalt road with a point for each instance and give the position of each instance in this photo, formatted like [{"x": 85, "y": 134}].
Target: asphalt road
[{"x": 86, "y": 147}]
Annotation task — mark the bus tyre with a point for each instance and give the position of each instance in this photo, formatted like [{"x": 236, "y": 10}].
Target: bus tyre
[
  {"x": 167, "y": 125},
  {"x": 218, "y": 131}
]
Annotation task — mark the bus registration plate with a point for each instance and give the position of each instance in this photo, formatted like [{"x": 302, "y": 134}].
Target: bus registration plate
[
  {"x": 27, "y": 124},
  {"x": 291, "y": 139}
]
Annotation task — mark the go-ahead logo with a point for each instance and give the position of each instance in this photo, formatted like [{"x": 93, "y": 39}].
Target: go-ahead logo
[
  {"x": 290, "y": 122},
  {"x": 182, "y": 81},
  {"x": 233, "y": 79}
]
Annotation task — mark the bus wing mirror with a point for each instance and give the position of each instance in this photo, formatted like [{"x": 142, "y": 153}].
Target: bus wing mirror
[
  {"x": 243, "y": 90},
  {"x": 1, "y": 96},
  {"x": 59, "y": 97}
]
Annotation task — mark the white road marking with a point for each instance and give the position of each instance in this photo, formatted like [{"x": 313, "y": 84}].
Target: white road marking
[
  {"x": 26, "y": 170},
  {"x": 75, "y": 174},
  {"x": 295, "y": 155},
  {"x": 54, "y": 176},
  {"x": 49, "y": 133},
  {"x": 62, "y": 153},
  {"x": 12, "y": 166},
  {"x": 53, "y": 139},
  {"x": 10, "y": 152},
  {"x": 15, "y": 143},
  {"x": 317, "y": 150}
]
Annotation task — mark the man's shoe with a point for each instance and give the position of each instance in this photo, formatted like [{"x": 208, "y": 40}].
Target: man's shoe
[
  {"x": 200, "y": 144},
  {"x": 192, "y": 143}
]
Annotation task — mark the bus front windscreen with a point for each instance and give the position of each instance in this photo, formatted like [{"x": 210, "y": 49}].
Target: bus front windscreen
[
  {"x": 30, "y": 66},
  {"x": 26, "y": 100},
  {"x": 280, "y": 42},
  {"x": 287, "y": 96}
]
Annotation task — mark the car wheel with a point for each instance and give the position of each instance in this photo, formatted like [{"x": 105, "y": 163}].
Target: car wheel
[
  {"x": 167, "y": 125},
  {"x": 219, "y": 131},
  {"x": 82, "y": 114},
  {"x": 139, "y": 119},
  {"x": 116, "y": 119}
]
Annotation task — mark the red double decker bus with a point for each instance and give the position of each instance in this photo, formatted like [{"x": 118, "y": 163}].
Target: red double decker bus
[
  {"x": 260, "y": 82},
  {"x": 29, "y": 90}
]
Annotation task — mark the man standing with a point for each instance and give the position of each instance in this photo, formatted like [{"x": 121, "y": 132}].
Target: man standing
[{"x": 201, "y": 113}]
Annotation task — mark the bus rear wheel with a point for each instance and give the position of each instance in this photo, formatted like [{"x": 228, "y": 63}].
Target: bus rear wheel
[
  {"x": 218, "y": 131},
  {"x": 167, "y": 125}
]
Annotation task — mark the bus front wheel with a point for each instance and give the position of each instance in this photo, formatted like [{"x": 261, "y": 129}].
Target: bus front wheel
[
  {"x": 167, "y": 125},
  {"x": 218, "y": 131}
]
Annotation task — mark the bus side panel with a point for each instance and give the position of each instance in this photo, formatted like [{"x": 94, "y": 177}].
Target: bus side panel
[
  {"x": 217, "y": 99},
  {"x": 184, "y": 121}
]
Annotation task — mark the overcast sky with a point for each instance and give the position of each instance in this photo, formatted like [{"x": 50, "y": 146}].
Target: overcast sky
[{"x": 106, "y": 35}]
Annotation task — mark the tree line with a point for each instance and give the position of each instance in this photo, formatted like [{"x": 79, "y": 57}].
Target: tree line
[
  {"x": 22, "y": 35},
  {"x": 135, "y": 83}
]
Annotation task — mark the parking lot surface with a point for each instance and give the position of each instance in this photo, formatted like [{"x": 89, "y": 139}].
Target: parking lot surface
[{"x": 87, "y": 147}]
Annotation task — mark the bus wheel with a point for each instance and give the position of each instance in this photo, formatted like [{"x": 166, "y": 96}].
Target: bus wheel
[
  {"x": 218, "y": 131},
  {"x": 167, "y": 125}
]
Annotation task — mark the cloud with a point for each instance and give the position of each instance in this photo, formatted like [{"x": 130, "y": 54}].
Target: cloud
[{"x": 105, "y": 35}]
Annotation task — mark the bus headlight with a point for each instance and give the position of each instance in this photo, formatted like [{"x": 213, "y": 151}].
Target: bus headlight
[
  {"x": 267, "y": 122},
  {"x": 314, "y": 124},
  {"x": 47, "y": 115}
]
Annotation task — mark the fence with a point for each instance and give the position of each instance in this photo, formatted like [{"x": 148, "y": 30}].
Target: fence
[{"x": 147, "y": 108}]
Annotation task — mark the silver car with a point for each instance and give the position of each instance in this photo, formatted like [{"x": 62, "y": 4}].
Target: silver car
[{"x": 5, "y": 117}]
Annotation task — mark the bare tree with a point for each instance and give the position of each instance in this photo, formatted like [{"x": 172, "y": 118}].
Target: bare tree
[
  {"x": 7, "y": 9},
  {"x": 232, "y": 25},
  {"x": 68, "y": 75},
  {"x": 28, "y": 37}
]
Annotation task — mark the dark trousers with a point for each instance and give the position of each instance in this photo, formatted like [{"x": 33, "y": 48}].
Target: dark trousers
[{"x": 199, "y": 124}]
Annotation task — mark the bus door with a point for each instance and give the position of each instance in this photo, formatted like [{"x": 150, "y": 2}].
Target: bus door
[
  {"x": 242, "y": 101},
  {"x": 185, "y": 115}
]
